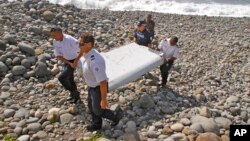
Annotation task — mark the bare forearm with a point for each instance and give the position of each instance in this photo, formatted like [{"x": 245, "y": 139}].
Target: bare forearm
[
  {"x": 104, "y": 90},
  {"x": 169, "y": 60},
  {"x": 79, "y": 56}
]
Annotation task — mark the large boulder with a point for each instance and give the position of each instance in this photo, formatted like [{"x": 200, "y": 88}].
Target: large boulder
[
  {"x": 208, "y": 137},
  {"x": 24, "y": 138},
  {"x": 26, "y": 48},
  {"x": 18, "y": 70},
  {"x": 41, "y": 69},
  {"x": 36, "y": 30},
  {"x": 53, "y": 115},
  {"x": 48, "y": 15},
  {"x": 3, "y": 68},
  {"x": 2, "y": 45},
  {"x": 10, "y": 39},
  {"x": 34, "y": 127},
  {"x": 26, "y": 63},
  {"x": 146, "y": 102},
  {"x": 223, "y": 122},
  {"x": 209, "y": 125},
  {"x": 16, "y": 61},
  {"x": 9, "y": 113},
  {"x": 22, "y": 113},
  {"x": 66, "y": 118}
]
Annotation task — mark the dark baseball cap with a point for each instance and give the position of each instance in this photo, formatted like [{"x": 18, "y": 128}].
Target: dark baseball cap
[{"x": 139, "y": 23}]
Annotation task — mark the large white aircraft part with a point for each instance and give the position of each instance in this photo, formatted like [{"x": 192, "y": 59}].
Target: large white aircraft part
[{"x": 128, "y": 63}]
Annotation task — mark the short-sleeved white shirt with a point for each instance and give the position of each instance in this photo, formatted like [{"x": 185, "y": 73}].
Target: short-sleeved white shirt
[
  {"x": 68, "y": 47},
  {"x": 93, "y": 68},
  {"x": 168, "y": 50}
]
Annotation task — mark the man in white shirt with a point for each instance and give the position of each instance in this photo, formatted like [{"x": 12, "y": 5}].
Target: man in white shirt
[
  {"x": 171, "y": 52},
  {"x": 66, "y": 50},
  {"x": 94, "y": 74}
]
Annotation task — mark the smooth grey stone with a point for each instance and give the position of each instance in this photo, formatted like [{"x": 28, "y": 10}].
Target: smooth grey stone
[
  {"x": 3, "y": 68},
  {"x": 9, "y": 113},
  {"x": 4, "y": 95},
  {"x": 41, "y": 70},
  {"x": 66, "y": 118},
  {"x": 16, "y": 61},
  {"x": 18, "y": 130},
  {"x": 10, "y": 39},
  {"x": 26, "y": 63},
  {"x": 18, "y": 70},
  {"x": 34, "y": 127},
  {"x": 23, "y": 138},
  {"x": 26, "y": 48},
  {"x": 2, "y": 45},
  {"x": 21, "y": 113}
]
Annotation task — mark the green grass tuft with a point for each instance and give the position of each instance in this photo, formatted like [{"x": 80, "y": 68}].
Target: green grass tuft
[{"x": 9, "y": 138}]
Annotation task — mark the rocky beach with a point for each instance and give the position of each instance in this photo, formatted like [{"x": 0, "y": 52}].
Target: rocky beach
[{"x": 208, "y": 88}]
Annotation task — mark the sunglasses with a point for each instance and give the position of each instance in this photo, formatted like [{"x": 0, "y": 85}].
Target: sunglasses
[{"x": 82, "y": 43}]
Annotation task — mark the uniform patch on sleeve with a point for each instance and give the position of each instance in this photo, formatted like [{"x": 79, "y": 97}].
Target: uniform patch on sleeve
[
  {"x": 92, "y": 57},
  {"x": 96, "y": 69}
]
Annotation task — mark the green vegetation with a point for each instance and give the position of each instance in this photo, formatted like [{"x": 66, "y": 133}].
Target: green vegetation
[
  {"x": 9, "y": 138},
  {"x": 94, "y": 137}
]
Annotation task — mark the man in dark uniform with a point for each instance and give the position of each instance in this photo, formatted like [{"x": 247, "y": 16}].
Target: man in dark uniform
[
  {"x": 94, "y": 74},
  {"x": 141, "y": 35}
]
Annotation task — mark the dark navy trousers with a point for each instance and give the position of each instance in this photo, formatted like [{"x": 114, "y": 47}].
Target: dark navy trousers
[
  {"x": 66, "y": 78},
  {"x": 164, "y": 72},
  {"x": 94, "y": 105}
]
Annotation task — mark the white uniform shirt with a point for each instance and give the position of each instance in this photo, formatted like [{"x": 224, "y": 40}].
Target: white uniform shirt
[
  {"x": 93, "y": 68},
  {"x": 168, "y": 50},
  {"x": 68, "y": 47}
]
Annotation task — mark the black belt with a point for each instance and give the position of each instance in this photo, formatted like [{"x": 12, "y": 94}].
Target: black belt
[
  {"x": 95, "y": 87},
  {"x": 71, "y": 60}
]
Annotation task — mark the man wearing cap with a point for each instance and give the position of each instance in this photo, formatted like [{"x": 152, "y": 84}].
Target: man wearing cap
[
  {"x": 66, "y": 50},
  {"x": 150, "y": 25},
  {"x": 170, "y": 51},
  {"x": 94, "y": 74},
  {"x": 141, "y": 35}
]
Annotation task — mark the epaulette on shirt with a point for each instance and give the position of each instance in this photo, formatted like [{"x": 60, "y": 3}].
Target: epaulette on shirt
[{"x": 92, "y": 57}]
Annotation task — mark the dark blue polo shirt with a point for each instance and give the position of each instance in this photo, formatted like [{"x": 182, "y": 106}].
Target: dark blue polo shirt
[{"x": 142, "y": 38}]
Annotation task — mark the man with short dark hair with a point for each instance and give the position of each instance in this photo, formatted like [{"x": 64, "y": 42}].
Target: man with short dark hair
[
  {"x": 150, "y": 25},
  {"x": 66, "y": 50},
  {"x": 141, "y": 35},
  {"x": 170, "y": 51},
  {"x": 94, "y": 74}
]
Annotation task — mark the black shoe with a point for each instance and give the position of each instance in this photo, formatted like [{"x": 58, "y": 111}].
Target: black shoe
[
  {"x": 92, "y": 128},
  {"x": 71, "y": 96},
  {"x": 75, "y": 101},
  {"x": 74, "y": 97},
  {"x": 119, "y": 115}
]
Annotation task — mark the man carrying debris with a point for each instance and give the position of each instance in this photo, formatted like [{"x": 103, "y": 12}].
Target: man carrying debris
[
  {"x": 94, "y": 74},
  {"x": 171, "y": 52},
  {"x": 141, "y": 35},
  {"x": 66, "y": 50}
]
